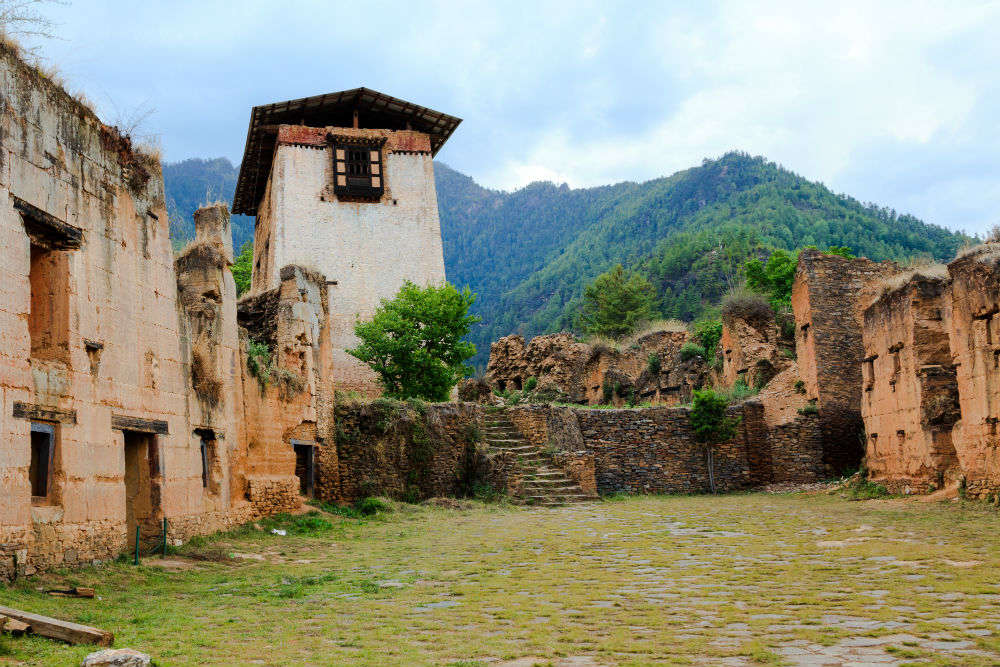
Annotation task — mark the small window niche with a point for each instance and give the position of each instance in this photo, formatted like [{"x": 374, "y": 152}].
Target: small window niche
[
  {"x": 358, "y": 171},
  {"x": 48, "y": 320},
  {"x": 42, "y": 467},
  {"x": 211, "y": 466},
  {"x": 305, "y": 466}
]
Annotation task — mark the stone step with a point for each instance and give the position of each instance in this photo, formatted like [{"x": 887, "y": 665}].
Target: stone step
[{"x": 507, "y": 441}]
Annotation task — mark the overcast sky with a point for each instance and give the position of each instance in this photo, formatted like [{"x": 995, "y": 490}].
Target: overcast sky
[{"x": 892, "y": 102}]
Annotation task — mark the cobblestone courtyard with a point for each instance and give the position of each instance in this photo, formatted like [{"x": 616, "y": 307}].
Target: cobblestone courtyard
[{"x": 729, "y": 580}]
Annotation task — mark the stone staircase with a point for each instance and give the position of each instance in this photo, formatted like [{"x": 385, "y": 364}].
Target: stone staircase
[{"x": 544, "y": 482}]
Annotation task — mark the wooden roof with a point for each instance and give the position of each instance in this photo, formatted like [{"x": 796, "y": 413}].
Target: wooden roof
[{"x": 376, "y": 110}]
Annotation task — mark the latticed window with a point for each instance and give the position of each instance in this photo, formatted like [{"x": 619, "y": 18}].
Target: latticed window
[{"x": 358, "y": 171}]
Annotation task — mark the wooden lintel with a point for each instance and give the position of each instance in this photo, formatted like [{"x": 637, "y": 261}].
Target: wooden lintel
[
  {"x": 74, "y": 633},
  {"x": 41, "y": 413},
  {"x": 125, "y": 423},
  {"x": 47, "y": 230}
]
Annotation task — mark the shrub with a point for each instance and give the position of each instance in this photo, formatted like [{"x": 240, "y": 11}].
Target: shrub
[
  {"x": 259, "y": 361},
  {"x": 242, "y": 268},
  {"x": 864, "y": 489},
  {"x": 809, "y": 408},
  {"x": 748, "y": 306},
  {"x": 773, "y": 278},
  {"x": 708, "y": 333},
  {"x": 691, "y": 350},
  {"x": 530, "y": 383},
  {"x": 800, "y": 386},
  {"x": 708, "y": 417},
  {"x": 607, "y": 390},
  {"x": 654, "y": 365},
  {"x": 371, "y": 506},
  {"x": 739, "y": 392}
]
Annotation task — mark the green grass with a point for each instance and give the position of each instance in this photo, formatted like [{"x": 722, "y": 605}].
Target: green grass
[{"x": 642, "y": 580}]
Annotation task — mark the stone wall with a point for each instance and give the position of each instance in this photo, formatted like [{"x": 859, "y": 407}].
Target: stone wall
[
  {"x": 828, "y": 297},
  {"x": 910, "y": 392},
  {"x": 975, "y": 346},
  {"x": 402, "y": 450}
]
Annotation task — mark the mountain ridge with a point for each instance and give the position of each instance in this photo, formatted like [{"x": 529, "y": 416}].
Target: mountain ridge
[{"x": 528, "y": 253}]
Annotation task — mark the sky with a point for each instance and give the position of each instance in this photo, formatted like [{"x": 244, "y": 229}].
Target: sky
[{"x": 891, "y": 102}]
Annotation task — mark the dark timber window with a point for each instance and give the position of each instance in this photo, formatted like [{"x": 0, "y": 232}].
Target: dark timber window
[
  {"x": 210, "y": 470},
  {"x": 358, "y": 171},
  {"x": 43, "y": 444}
]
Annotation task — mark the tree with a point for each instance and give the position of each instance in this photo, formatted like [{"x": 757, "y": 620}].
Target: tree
[
  {"x": 22, "y": 18},
  {"x": 711, "y": 424},
  {"x": 616, "y": 303},
  {"x": 243, "y": 268},
  {"x": 774, "y": 278},
  {"x": 414, "y": 341}
]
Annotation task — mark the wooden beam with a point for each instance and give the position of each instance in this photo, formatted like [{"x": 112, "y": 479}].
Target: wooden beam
[
  {"x": 125, "y": 423},
  {"x": 31, "y": 411},
  {"x": 46, "y": 229},
  {"x": 54, "y": 628}
]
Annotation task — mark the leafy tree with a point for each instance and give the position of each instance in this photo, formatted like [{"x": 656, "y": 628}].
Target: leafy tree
[
  {"x": 242, "y": 268},
  {"x": 841, "y": 250},
  {"x": 708, "y": 417},
  {"x": 774, "y": 278},
  {"x": 414, "y": 341},
  {"x": 709, "y": 333},
  {"x": 616, "y": 303}
]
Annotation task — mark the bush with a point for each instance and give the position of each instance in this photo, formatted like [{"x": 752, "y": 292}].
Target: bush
[
  {"x": 691, "y": 350},
  {"x": 774, "y": 278},
  {"x": 242, "y": 268},
  {"x": 708, "y": 417},
  {"x": 607, "y": 390},
  {"x": 259, "y": 361},
  {"x": 654, "y": 365},
  {"x": 809, "y": 408},
  {"x": 530, "y": 383},
  {"x": 800, "y": 386},
  {"x": 371, "y": 506},
  {"x": 739, "y": 392},
  {"x": 708, "y": 333},
  {"x": 864, "y": 489},
  {"x": 748, "y": 306}
]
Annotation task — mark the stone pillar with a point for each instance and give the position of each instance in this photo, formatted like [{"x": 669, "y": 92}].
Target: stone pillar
[{"x": 211, "y": 224}]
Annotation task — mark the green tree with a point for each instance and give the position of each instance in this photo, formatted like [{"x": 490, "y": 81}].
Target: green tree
[
  {"x": 774, "y": 278},
  {"x": 708, "y": 417},
  {"x": 414, "y": 341},
  {"x": 616, "y": 303},
  {"x": 243, "y": 268}
]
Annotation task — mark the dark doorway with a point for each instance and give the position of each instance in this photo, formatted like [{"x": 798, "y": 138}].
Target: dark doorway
[
  {"x": 305, "y": 453},
  {"x": 43, "y": 445},
  {"x": 141, "y": 491}
]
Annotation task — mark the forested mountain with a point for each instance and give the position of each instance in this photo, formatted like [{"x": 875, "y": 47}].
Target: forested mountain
[
  {"x": 194, "y": 183},
  {"x": 529, "y": 253}
]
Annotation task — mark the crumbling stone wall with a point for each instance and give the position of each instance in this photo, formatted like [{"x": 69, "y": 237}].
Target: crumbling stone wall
[
  {"x": 751, "y": 351},
  {"x": 975, "y": 345},
  {"x": 910, "y": 397},
  {"x": 405, "y": 450},
  {"x": 828, "y": 297},
  {"x": 576, "y": 372}
]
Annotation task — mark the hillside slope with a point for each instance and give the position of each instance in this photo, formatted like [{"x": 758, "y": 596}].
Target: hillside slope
[{"x": 529, "y": 253}]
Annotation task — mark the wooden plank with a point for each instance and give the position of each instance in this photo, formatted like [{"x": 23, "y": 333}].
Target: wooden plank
[
  {"x": 46, "y": 229},
  {"x": 31, "y": 411},
  {"x": 126, "y": 423},
  {"x": 54, "y": 628}
]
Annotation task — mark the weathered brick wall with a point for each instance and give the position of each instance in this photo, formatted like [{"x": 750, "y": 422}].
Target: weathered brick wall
[
  {"x": 910, "y": 394},
  {"x": 975, "y": 344},
  {"x": 402, "y": 451},
  {"x": 653, "y": 451},
  {"x": 828, "y": 296}
]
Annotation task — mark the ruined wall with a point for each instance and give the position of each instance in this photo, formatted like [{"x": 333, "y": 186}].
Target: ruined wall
[
  {"x": 366, "y": 249},
  {"x": 751, "y": 351},
  {"x": 83, "y": 224},
  {"x": 975, "y": 345},
  {"x": 910, "y": 392},
  {"x": 404, "y": 450},
  {"x": 286, "y": 391},
  {"x": 575, "y": 372},
  {"x": 828, "y": 296}
]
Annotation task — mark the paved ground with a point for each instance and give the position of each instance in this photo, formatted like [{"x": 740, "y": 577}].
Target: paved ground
[{"x": 730, "y": 580}]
